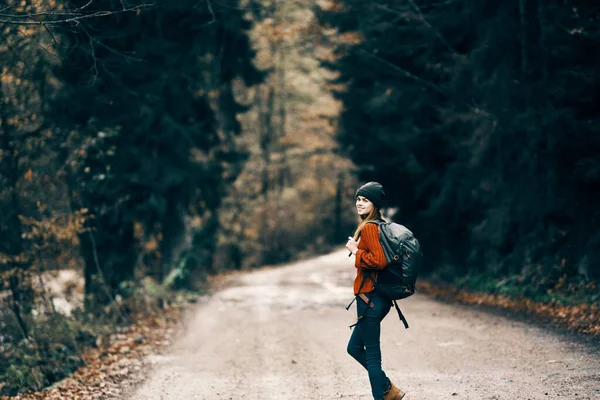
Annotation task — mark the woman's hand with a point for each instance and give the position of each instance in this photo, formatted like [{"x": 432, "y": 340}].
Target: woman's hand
[{"x": 352, "y": 245}]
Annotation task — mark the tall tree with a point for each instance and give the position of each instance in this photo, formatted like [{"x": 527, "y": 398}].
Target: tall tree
[
  {"x": 482, "y": 138},
  {"x": 137, "y": 111},
  {"x": 24, "y": 90}
]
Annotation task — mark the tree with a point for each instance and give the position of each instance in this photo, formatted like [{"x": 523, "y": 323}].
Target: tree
[
  {"x": 137, "y": 112},
  {"x": 22, "y": 135},
  {"x": 481, "y": 137},
  {"x": 293, "y": 197}
]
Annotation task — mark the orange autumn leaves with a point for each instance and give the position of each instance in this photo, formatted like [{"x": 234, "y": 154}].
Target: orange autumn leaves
[
  {"x": 584, "y": 318},
  {"x": 114, "y": 364}
]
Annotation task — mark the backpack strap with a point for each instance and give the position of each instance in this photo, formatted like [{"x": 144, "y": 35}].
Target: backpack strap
[
  {"x": 364, "y": 279},
  {"x": 369, "y": 305},
  {"x": 360, "y": 287},
  {"x": 374, "y": 221},
  {"x": 401, "y": 315},
  {"x": 367, "y": 273}
]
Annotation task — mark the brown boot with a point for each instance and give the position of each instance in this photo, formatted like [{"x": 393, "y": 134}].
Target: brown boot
[{"x": 394, "y": 393}]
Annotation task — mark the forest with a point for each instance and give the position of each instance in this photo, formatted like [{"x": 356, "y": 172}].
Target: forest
[
  {"x": 479, "y": 120},
  {"x": 146, "y": 146}
]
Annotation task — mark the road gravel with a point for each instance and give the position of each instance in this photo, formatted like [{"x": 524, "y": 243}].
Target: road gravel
[{"x": 281, "y": 333}]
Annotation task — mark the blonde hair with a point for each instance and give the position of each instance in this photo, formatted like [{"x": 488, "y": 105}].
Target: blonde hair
[{"x": 373, "y": 215}]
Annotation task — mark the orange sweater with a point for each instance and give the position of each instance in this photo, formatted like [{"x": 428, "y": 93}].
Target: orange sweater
[{"x": 370, "y": 255}]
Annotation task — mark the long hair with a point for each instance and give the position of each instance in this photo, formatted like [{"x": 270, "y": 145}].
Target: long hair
[{"x": 373, "y": 215}]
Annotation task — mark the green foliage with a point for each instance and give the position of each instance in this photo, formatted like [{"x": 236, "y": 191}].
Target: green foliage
[
  {"x": 50, "y": 353},
  {"x": 477, "y": 119},
  {"x": 22, "y": 377},
  {"x": 566, "y": 291},
  {"x": 150, "y": 101},
  {"x": 53, "y": 349}
]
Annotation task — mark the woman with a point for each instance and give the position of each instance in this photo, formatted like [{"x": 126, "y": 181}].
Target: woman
[{"x": 371, "y": 307}]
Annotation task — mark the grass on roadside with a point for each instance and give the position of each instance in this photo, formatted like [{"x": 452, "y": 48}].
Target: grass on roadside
[
  {"x": 571, "y": 303},
  {"x": 55, "y": 345}
]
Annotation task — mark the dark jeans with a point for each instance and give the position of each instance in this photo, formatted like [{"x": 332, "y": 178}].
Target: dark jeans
[{"x": 364, "y": 342}]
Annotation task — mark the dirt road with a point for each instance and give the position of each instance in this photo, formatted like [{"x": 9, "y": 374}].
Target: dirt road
[{"x": 281, "y": 334}]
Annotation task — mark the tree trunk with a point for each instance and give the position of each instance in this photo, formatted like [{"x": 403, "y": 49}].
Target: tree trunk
[
  {"x": 338, "y": 235},
  {"x": 267, "y": 134},
  {"x": 109, "y": 254},
  {"x": 284, "y": 173},
  {"x": 12, "y": 245},
  {"x": 542, "y": 40},
  {"x": 524, "y": 36}
]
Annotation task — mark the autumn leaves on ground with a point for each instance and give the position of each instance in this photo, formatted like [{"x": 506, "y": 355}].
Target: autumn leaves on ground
[
  {"x": 116, "y": 363},
  {"x": 584, "y": 318},
  {"x": 281, "y": 333},
  {"x": 125, "y": 361}
]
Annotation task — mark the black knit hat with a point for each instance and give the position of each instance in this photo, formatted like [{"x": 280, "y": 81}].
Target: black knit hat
[{"x": 372, "y": 191}]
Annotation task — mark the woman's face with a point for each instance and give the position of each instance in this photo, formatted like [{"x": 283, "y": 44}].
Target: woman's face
[{"x": 363, "y": 206}]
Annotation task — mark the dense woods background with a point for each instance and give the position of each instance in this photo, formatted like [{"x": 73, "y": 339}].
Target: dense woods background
[
  {"x": 145, "y": 146},
  {"x": 479, "y": 119}
]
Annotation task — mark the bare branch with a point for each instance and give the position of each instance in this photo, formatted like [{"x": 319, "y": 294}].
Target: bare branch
[
  {"x": 437, "y": 88},
  {"x": 95, "y": 66},
  {"x": 110, "y": 49},
  {"x": 437, "y": 32},
  {"x": 48, "y": 31},
  {"x": 40, "y": 14},
  {"x": 212, "y": 13},
  {"x": 422, "y": 19},
  {"x": 13, "y": 19},
  {"x": 84, "y": 6}
]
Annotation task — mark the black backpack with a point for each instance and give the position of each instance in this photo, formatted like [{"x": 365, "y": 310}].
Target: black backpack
[{"x": 404, "y": 257}]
